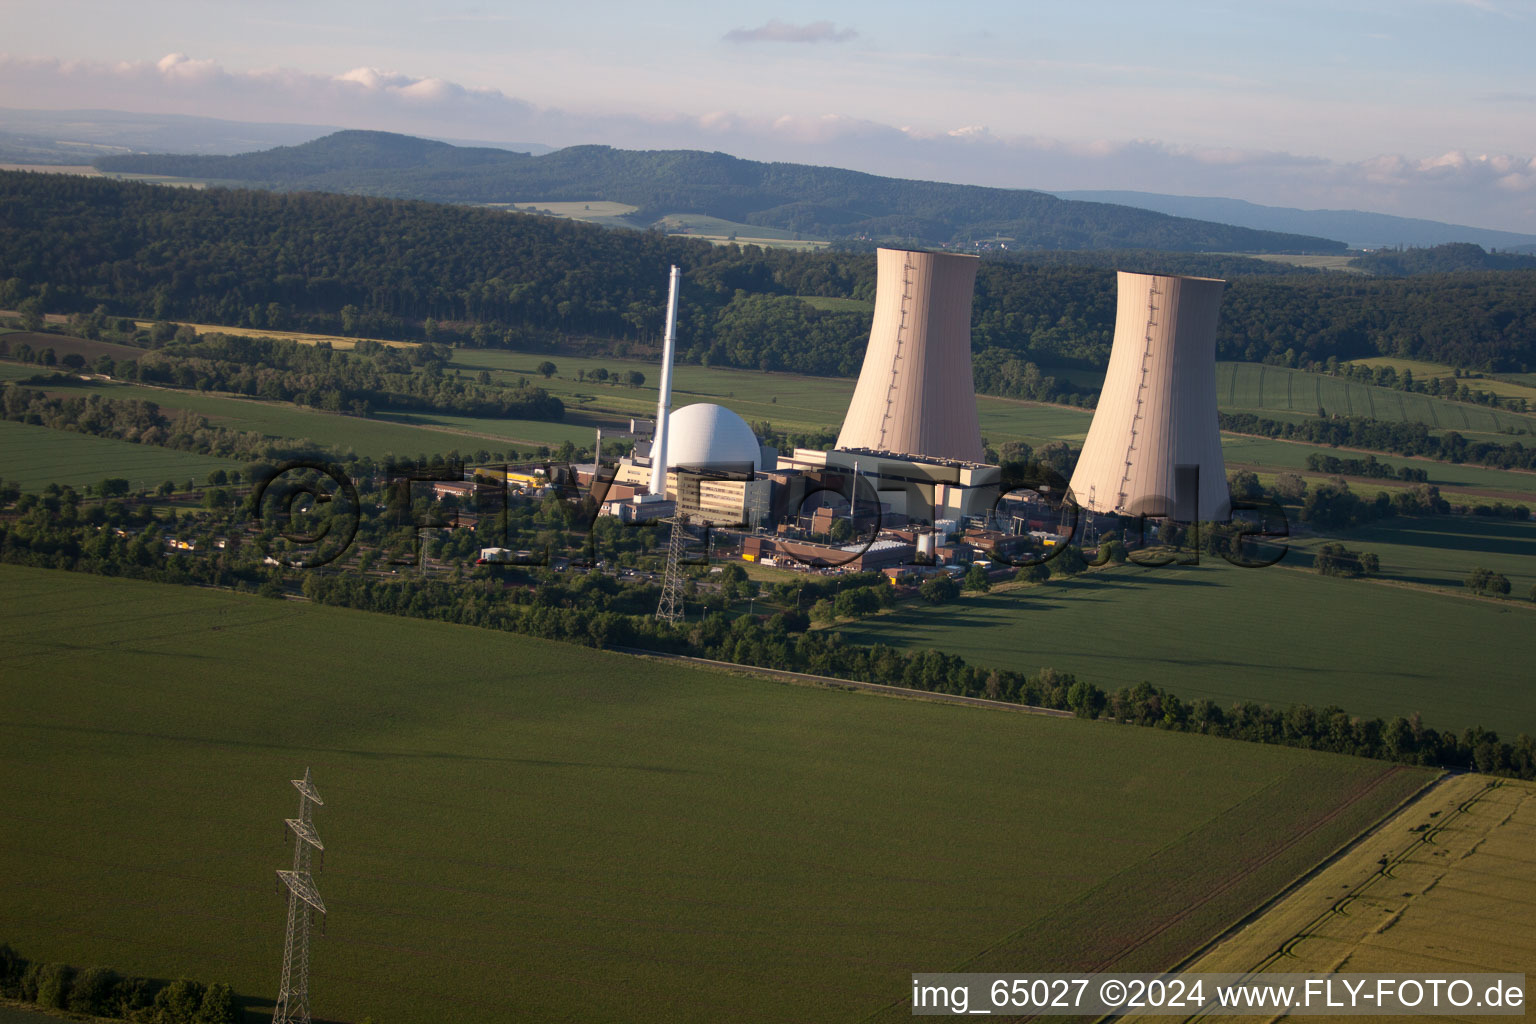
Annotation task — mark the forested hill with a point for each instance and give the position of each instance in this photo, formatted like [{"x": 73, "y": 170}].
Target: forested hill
[
  {"x": 388, "y": 268},
  {"x": 823, "y": 202}
]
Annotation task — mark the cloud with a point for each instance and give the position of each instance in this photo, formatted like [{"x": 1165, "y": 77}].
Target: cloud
[
  {"x": 776, "y": 31},
  {"x": 1484, "y": 189}
]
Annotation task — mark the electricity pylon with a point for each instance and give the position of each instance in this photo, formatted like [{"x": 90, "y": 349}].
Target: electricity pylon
[
  {"x": 303, "y": 901},
  {"x": 670, "y": 607}
]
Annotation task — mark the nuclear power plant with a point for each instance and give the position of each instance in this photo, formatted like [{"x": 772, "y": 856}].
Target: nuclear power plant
[
  {"x": 1154, "y": 447},
  {"x": 908, "y": 474}
]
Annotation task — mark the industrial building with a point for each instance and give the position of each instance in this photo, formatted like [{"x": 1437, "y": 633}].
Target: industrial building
[{"x": 1154, "y": 447}]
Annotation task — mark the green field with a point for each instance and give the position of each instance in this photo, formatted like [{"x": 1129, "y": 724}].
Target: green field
[
  {"x": 1254, "y": 387},
  {"x": 594, "y": 209},
  {"x": 1272, "y": 455},
  {"x": 517, "y": 828},
  {"x": 1440, "y": 551},
  {"x": 1316, "y": 261},
  {"x": 1501, "y": 384},
  {"x": 1276, "y": 636},
  {"x": 788, "y": 401},
  {"x": 35, "y": 456},
  {"x": 402, "y": 434},
  {"x": 700, "y": 225}
]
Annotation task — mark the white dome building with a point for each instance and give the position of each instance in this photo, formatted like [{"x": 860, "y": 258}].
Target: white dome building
[
  {"x": 711, "y": 437},
  {"x": 721, "y": 467}
]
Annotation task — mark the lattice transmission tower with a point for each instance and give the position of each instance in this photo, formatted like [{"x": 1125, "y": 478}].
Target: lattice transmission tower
[
  {"x": 670, "y": 607},
  {"x": 303, "y": 903}
]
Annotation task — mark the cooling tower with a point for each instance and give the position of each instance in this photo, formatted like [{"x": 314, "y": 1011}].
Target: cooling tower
[
  {"x": 1154, "y": 447},
  {"x": 915, "y": 395}
]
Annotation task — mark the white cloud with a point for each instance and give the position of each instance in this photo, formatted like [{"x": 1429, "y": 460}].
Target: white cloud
[
  {"x": 776, "y": 31},
  {"x": 1483, "y": 189}
]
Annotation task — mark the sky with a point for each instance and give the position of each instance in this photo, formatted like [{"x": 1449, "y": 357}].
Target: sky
[{"x": 1421, "y": 108}]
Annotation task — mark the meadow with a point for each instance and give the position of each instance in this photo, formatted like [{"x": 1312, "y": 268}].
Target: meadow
[
  {"x": 1270, "y": 455},
  {"x": 514, "y": 826},
  {"x": 1254, "y": 387},
  {"x": 302, "y": 337},
  {"x": 787, "y": 401},
  {"x": 37, "y": 456},
  {"x": 719, "y": 231},
  {"x": 1504, "y": 385},
  {"x": 401, "y": 434},
  {"x": 1278, "y": 636},
  {"x": 1315, "y": 261},
  {"x": 1440, "y": 551}
]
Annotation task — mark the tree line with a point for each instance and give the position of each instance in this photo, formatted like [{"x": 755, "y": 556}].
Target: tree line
[{"x": 103, "y": 992}]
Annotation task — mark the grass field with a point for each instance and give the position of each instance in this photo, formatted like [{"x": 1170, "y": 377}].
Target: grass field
[
  {"x": 401, "y": 434},
  {"x": 786, "y": 400},
  {"x": 1440, "y": 551},
  {"x": 1254, "y": 387},
  {"x": 699, "y": 225},
  {"x": 63, "y": 345},
  {"x": 36, "y": 456},
  {"x": 595, "y": 209},
  {"x": 1442, "y": 887},
  {"x": 302, "y": 337},
  {"x": 703, "y": 224},
  {"x": 586, "y": 836},
  {"x": 1269, "y": 454},
  {"x": 1505, "y": 385},
  {"x": 1316, "y": 261},
  {"x": 1276, "y": 636}
]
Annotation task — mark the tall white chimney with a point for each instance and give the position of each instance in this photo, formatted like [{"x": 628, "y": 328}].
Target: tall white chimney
[{"x": 664, "y": 399}]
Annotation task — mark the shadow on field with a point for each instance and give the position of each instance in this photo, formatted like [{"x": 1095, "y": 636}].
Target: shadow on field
[
  {"x": 254, "y": 1010},
  {"x": 1142, "y": 657},
  {"x": 376, "y": 755}
]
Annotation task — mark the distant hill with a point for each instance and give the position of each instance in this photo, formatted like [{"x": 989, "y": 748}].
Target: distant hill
[
  {"x": 1361, "y": 230},
  {"x": 820, "y": 202},
  {"x": 80, "y": 136}
]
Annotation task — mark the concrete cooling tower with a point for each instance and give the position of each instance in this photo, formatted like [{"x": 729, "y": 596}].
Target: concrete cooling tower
[
  {"x": 915, "y": 395},
  {"x": 1154, "y": 447}
]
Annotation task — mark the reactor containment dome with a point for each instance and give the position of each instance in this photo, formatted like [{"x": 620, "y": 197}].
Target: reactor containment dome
[
  {"x": 705, "y": 436},
  {"x": 915, "y": 394},
  {"x": 1154, "y": 447}
]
